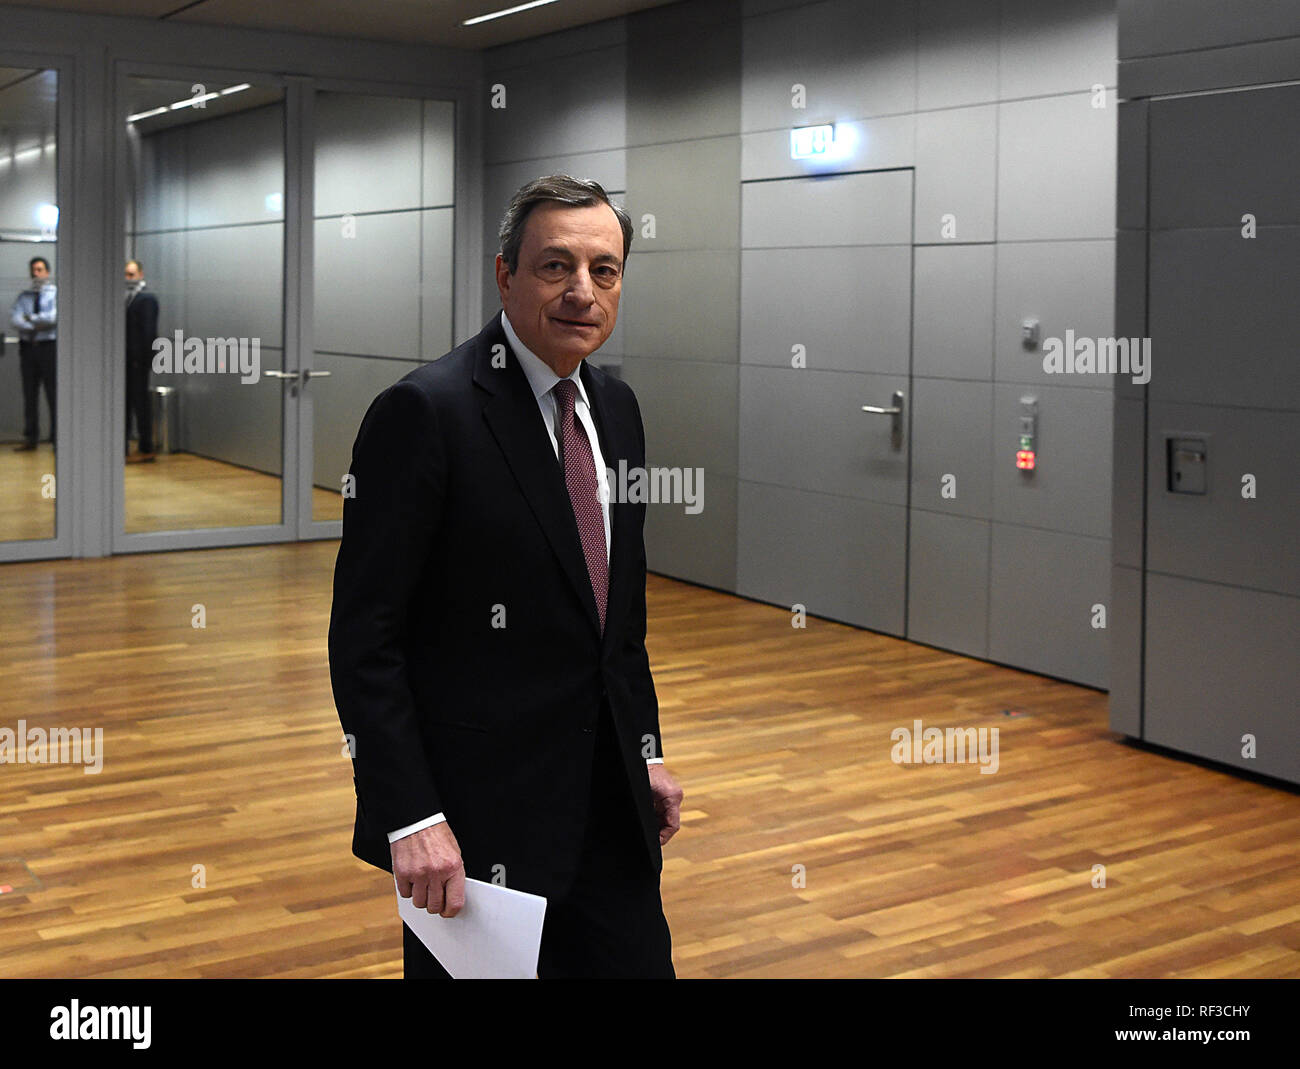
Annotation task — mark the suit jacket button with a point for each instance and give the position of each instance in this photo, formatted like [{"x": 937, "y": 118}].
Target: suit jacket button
[{"x": 588, "y": 731}]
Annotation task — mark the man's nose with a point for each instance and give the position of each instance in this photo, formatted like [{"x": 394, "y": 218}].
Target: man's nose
[{"x": 580, "y": 287}]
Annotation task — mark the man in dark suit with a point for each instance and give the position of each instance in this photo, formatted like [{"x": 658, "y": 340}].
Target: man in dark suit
[
  {"x": 141, "y": 333},
  {"x": 487, "y": 636}
]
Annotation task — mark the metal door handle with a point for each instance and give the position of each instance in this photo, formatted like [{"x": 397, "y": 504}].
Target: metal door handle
[
  {"x": 318, "y": 374},
  {"x": 280, "y": 374},
  {"x": 895, "y": 412}
]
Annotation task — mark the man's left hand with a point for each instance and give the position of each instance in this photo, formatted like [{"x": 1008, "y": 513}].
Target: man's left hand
[{"x": 667, "y": 794}]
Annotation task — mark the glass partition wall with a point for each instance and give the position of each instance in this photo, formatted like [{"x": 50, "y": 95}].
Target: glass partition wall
[
  {"x": 29, "y": 303},
  {"x": 203, "y": 288},
  {"x": 243, "y": 205}
]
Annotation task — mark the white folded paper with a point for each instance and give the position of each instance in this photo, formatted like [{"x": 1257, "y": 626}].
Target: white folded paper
[{"x": 497, "y": 935}]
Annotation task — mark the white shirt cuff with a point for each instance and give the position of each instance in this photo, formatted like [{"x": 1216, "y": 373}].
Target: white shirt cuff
[
  {"x": 654, "y": 760},
  {"x": 411, "y": 829}
]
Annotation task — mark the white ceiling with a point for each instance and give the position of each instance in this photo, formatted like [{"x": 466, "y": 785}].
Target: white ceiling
[{"x": 435, "y": 22}]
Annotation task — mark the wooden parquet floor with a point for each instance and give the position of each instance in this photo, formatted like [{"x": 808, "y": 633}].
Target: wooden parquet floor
[{"x": 805, "y": 851}]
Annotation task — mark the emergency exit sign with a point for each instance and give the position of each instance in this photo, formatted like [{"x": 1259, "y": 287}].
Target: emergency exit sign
[{"x": 809, "y": 142}]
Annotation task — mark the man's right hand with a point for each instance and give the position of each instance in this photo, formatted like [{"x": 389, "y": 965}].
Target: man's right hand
[{"x": 429, "y": 870}]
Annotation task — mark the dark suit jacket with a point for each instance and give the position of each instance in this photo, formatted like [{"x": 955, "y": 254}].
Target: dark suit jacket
[
  {"x": 141, "y": 327},
  {"x": 461, "y": 512}
]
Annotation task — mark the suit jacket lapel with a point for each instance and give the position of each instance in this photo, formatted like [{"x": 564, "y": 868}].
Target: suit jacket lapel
[{"x": 510, "y": 410}]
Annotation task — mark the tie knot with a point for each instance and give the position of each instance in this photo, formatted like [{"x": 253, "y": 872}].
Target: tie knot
[{"x": 566, "y": 394}]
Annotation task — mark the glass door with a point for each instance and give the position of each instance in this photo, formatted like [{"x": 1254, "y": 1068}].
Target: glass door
[
  {"x": 30, "y": 298},
  {"x": 202, "y": 289}
]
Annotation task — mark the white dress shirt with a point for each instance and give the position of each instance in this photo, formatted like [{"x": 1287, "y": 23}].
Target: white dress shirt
[{"x": 542, "y": 380}]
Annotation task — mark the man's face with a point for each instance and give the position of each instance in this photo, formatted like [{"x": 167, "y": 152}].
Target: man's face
[
  {"x": 132, "y": 271},
  {"x": 39, "y": 270},
  {"x": 562, "y": 299}
]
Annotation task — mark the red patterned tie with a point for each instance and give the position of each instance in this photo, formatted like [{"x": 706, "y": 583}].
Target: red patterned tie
[{"x": 580, "y": 478}]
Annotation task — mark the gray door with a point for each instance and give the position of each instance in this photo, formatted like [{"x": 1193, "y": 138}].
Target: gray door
[{"x": 826, "y": 282}]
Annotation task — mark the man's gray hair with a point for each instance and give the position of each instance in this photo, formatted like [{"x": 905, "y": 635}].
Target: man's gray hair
[{"x": 559, "y": 189}]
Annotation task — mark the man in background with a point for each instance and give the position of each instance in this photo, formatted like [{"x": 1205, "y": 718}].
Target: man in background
[
  {"x": 141, "y": 332},
  {"x": 34, "y": 316}
]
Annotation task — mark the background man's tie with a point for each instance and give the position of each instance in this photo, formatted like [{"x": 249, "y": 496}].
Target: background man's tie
[{"x": 580, "y": 478}]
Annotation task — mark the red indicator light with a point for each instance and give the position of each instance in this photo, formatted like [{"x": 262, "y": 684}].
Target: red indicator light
[{"x": 1025, "y": 459}]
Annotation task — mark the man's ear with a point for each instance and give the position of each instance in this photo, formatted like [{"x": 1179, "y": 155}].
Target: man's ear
[{"x": 503, "y": 277}]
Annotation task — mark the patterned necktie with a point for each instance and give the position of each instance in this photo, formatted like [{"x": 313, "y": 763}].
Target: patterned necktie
[{"x": 580, "y": 478}]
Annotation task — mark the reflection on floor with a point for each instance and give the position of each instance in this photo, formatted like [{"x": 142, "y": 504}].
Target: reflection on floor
[
  {"x": 805, "y": 850},
  {"x": 27, "y": 500},
  {"x": 181, "y": 492}
]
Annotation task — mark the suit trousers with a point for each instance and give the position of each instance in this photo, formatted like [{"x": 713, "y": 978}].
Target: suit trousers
[
  {"x": 610, "y": 922},
  {"x": 36, "y": 365},
  {"x": 138, "y": 401}
]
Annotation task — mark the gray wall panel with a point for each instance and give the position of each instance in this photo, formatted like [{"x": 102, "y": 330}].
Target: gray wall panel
[
  {"x": 1127, "y": 482},
  {"x": 957, "y": 54},
  {"x": 338, "y": 405},
  {"x": 1065, "y": 286},
  {"x": 796, "y": 547},
  {"x": 1244, "y": 149},
  {"x": 689, "y": 411},
  {"x": 557, "y": 109},
  {"x": 235, "y": 163},
  {"x": 235, "y": 283},
  {"x": 1131, "y": 164},
  {"x": 690, "y": 189},
  {"x": 684, "y": 86},
  {"x": 948, "y": 582},
  {"x": 1070, "y": 488},
  {"x": 951, "y": 431},
  {"x": 1056, "y": 168},
  {"x": 698, "y": 548},
  {"x": 240, "y": 423},
  {"x": 681, "y": 305},
  {"x": 1221, "y": 535},
  {"x": 846, "y": 306},
  {"x": 1056, "y": 46},
  {"x": 1150, "y": 27},
  {"x": 839, "y": 209},
  {"x": 1200, "y": 695},
  {"x": 956, "y": 168},
  {"x": 1044, "y": 586},
  {"x": 368, "y": 154},
  {"x": 1224, "y": 317},
  {"x": 1124, "y": 622},
  {"x": 438, "y": 175},
  {"x": 853, "y": 61},
  {"x": 952, "y": 312},
  {"x": 368, "y": 286},
  {"x": 436, "y": 261},
  {"x": 1131, "y": 301}
]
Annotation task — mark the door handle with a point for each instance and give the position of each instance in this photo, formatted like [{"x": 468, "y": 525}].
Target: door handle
[
  {"x": 280, "y": 374},
  {"x": 318, "y": 374},
  {"x": 895, "y": 413}
]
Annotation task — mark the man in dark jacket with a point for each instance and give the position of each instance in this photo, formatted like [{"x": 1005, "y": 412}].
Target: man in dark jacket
[{"x": 141, "y": 332}]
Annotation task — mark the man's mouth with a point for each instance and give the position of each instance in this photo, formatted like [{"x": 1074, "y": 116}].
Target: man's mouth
[{"x": 574, "y": 322}]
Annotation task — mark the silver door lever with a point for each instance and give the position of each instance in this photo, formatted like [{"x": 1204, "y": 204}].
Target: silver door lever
[{"x": 895, "y": 412}]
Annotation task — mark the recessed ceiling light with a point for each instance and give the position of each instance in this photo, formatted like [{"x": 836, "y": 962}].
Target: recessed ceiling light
[{"x": 505, "y": 11}]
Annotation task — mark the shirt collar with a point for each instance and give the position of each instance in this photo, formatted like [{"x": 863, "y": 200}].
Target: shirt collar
[{"x": 540, "y": 376}]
